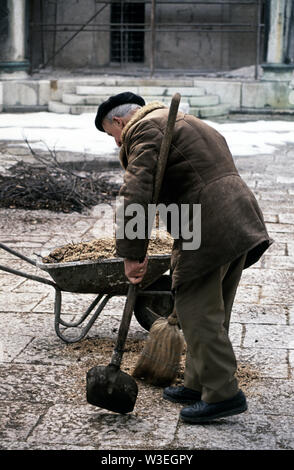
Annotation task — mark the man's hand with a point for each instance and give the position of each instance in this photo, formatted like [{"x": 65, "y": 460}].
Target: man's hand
[{"x": 135, "y": 271}]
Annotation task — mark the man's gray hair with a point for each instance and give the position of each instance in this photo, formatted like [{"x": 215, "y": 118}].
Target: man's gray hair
[{"x": 121, "y": 111}]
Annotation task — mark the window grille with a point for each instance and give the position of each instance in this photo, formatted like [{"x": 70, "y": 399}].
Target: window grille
[{"x": 127, "y": 46}]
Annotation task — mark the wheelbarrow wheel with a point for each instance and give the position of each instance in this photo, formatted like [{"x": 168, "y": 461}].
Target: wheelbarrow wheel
[{"x": 154, "y": 302}]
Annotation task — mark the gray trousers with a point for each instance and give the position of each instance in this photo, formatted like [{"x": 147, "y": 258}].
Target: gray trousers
[{"x": 204, "y": 308}]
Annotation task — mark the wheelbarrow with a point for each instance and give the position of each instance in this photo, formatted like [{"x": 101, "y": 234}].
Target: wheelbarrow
[{"x": 106, "y": 278}]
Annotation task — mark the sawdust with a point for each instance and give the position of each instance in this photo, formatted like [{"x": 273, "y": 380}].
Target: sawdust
[
  {"x": 96, "y": 351},
  {"x": 102, "y": 248}
]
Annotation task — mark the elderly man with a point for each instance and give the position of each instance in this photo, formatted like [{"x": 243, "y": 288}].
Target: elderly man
[{"x": 200, "y": 170}]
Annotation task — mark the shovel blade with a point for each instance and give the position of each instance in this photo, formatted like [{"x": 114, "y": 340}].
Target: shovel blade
[{"x": 111, "y": 389}]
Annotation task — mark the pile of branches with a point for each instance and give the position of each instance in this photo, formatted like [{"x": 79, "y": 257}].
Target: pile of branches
[{"x": 48, "y": 185}]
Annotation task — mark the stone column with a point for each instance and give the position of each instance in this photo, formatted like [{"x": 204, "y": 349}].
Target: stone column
[
  {"x": 276, "y": 66},
  {"x": 280, "y": 14},
  {"x": 13, "y": 60}
]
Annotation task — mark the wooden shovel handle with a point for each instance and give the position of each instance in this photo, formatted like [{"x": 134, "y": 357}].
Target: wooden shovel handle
[
  {"x": 165, "y": 144},
  {"x": 133, "y": 288},
  {"x": 124, "y": 325}
]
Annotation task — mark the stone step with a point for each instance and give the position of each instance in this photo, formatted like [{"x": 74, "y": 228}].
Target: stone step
[
  {"x": 170, "y": 91},
  {"x": 58, "y": 107},
  {"x": 140, "y": 90},
  {"x": 209, "y": 111},
  {"x": 206, "y": 100},
  {"x": 194, "y": 100},
  {"x": 81, "y": 109},
  {"x": 62, "y": 108},
  {"x": 76, "y": 106},
  {"x": 73, "y": 99},
  {"x": 198, "y": 111},
  {"x": 137, "y": 81},
  {"x": 104, "y": 91}
]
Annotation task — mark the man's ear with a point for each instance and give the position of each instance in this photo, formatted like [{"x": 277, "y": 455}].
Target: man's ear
[{"x": 118, "y": 121}]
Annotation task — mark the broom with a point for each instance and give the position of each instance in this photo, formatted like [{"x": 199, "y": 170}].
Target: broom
[{"x": 159, "y": 361}]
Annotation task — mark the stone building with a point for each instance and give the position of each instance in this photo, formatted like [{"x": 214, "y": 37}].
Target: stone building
[
  {"x": 168, "y": 35},
  {"x": 147, "y": 39},
  {"x": 165, "y": 35}
]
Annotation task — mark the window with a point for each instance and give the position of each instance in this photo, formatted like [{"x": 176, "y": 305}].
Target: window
[{"x": 127, "y": 45}]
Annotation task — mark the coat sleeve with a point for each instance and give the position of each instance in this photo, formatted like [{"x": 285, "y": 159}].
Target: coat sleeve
[{"x": 142, "y": 149}]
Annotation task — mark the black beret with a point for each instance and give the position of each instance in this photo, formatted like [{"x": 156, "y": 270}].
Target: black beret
[{"x": 114, "y": 101}]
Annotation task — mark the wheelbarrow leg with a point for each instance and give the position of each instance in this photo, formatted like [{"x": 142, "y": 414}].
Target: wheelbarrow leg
[{"x": 58, "y": 321}]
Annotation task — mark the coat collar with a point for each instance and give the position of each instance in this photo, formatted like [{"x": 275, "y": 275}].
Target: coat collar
[{"x": 140, "y": 114}]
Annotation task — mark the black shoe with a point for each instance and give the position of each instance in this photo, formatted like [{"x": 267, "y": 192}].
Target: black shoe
[
  {"x": 201, "y": 412},
  {"x": 181, "y": 394}
]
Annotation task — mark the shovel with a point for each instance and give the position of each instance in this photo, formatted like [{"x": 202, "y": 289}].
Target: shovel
[{"x": 109, "y": 387}]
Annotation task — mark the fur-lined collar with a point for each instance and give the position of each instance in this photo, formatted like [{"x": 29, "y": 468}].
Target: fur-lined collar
[{"x": 136, "y": 117}]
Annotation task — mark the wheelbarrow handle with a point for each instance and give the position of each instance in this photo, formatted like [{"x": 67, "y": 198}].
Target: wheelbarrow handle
[
  {"x": 19, "y": 255},
  {"x": 28, "y": 276},
  {"x": 21, "y": 273}
]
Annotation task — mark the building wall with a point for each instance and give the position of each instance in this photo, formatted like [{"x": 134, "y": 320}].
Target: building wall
[
  {"x": 87, "y": 49},
  {"x": 205, "y": 51}
]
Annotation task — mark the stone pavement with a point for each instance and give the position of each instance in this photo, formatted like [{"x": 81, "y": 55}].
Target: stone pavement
[{"x": 42, "y": 387}]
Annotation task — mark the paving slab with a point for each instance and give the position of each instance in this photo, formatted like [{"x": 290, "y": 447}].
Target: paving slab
[
  {"x": 35, "y": 383},
  {"x": 291, "y": 314},
  {"x": 17, "y": 420},
  {"x": 264, "y": 276},
  {"x": 84, "y": 424},
  {"x": 251, "y": 432},
  {"x": 269, "y": 362},
  {"x": 279, "y": 262},
  {"x": 270, "y": 314},
  {"x": 19, "y": 302},
  {"x": 266, "y": 336}
]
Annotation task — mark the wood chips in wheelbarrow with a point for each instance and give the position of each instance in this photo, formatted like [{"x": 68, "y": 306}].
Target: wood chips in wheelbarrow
[{"x": 103, "y": 248}]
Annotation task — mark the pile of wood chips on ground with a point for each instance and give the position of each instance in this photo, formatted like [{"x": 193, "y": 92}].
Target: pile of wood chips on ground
[{"x": 102, "y": 248}]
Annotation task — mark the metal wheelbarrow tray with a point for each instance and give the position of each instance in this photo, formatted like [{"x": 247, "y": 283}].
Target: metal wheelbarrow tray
[{"x": 104, "y": 277}]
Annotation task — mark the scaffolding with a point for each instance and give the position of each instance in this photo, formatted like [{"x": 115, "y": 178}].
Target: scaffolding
[{"x": 123, "y": 26}]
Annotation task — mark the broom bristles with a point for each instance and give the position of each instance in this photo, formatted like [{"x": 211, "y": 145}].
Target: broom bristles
[{"x": 159, "y": 361}]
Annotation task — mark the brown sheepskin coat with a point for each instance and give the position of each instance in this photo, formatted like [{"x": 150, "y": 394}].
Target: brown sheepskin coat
[{"x": 200, "y": 170}]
